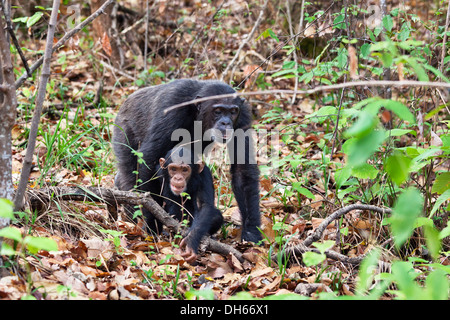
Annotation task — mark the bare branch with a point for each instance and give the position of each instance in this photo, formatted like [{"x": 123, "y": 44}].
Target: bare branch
[
  {"x": 247, "y": 39},
  {"x": 18, "y": 200},
  {"x": 380, "y": 83},
  {"x": 444, "y": 41},
  {"x": 317, "y": 234},
  {"x": 10, "y": 29}
]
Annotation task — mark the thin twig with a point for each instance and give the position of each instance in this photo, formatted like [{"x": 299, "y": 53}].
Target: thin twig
[
  {"x": 247, "y": 39},
  {"x": 444, "y": 41},
  {"x": 282, "y": 45},
  {"x": 318, "y": 232},
  {"x": 291, "y": 33},
  {"x": 10, "y": 29},
  {"x": 26, "y": 169},
  {"x": 380, "y": 83}
]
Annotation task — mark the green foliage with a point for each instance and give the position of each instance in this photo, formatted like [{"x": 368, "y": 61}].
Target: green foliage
[
  {"x": 371, "y": 131},
  {"x": 21, "y": 242}
]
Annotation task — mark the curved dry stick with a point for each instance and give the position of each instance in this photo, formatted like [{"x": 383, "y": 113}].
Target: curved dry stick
[{"x": 317, "y": 234}]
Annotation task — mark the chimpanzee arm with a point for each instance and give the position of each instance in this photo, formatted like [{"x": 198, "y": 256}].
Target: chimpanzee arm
[
  {"x": 208, "y": 219},
  {"x": 245, "y": 184}
]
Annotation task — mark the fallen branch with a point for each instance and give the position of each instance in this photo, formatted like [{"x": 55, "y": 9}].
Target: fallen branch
[
  {"x": 318, "y": 232},
  {"x": 115, "y": 197}
]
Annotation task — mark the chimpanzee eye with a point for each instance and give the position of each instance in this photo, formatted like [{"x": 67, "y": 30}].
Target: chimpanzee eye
[
  {"x": 185, "y": 169},
  {"x": 217, "y": 111},
  {"x": 234, "y": 110}
]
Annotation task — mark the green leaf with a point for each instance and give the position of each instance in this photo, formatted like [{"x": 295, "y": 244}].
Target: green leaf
[
  {"x": 312, "y": 258},
  {"x": 324, "y": 246},
  {"x": 433, "y": 241},
  {"x": 404, "y": 32},
  {"x": 442, "y": 183},
  {"x": 342, "y": 175},
  {"x": 364, "y": 171},
  {"x": 35, "y": 244},
  {"x": 444, "y": 232},
  {"x": 418, "y": 68},
  {"x": 437, "y": 285},
  {"x": 404, "y": 275},
  {"x": 397, "y": 166},
  {"x": 386, "y": 58},
  {"x": 439, "y": 201},
  {"x": 34, "y": 18},
  {"x": 365, "y": 50},
  {"x": 366, "y": 272},
  {"x": 436, "y": 72},
  {"x": 388, "y": 23},
  {"x": 268, "y": 33},
  {"x": 399, "y": 132},
  {"x": 404, "y": 214},
  {"x": 11, "y": 233},
  {"x": 298, "y": 187},
  {"x": 339, "y": 22},
  {"x": 364, "y": 125},
  {"x": 342, "y": 59},
  {"x": 397, "y": 107},
  {"x": 6, "y": 209},
  {"x": 7, "y": 250},
  {"x": 360, "y": 149}
]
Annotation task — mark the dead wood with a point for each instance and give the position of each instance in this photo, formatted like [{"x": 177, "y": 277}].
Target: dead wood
[
  {"x": 318, "y": 232},
  {"x": 112, "y": 198}
]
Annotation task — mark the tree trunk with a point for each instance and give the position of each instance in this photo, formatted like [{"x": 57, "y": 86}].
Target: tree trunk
[{"x": 8, "y": 103}]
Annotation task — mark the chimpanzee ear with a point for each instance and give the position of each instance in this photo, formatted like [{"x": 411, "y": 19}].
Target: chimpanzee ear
[
  {"x": 201, "y": 166},
  {"x": 162, "y": 161}
]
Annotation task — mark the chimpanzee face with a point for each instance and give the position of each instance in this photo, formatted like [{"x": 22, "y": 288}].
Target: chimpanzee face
[
  {"x": 178, "y": 169},
  {"x": 225, "y": 117},
  {"x": 179, "y": 176},
  {"x": 220, "y": 118}
]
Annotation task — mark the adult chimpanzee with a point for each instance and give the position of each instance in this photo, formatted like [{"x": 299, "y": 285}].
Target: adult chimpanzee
[
  {"x": 179, "y": 172},
  {"x": 143, "y": 128}
]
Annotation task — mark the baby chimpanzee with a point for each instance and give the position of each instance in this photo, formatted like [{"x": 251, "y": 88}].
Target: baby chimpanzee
[{"x": 188, "y": 190}]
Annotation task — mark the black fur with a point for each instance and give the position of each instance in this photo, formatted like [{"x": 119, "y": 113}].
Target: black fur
[
  {"x": 199, "y": 208},
  {"x": 141, "y": 125}
]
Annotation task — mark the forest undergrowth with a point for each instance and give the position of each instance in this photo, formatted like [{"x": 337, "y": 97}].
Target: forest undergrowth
[{"x": 382, "y": 152}]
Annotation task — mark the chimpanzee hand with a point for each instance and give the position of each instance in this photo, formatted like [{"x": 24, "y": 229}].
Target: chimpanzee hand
[{"x": 189, "y": 254}]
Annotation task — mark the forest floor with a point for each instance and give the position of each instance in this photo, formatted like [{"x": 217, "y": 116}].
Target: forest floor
[{"x": 102, "y": 258}]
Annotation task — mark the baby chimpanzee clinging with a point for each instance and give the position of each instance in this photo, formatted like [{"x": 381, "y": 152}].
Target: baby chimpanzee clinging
[{"x": 188, "y": 190}]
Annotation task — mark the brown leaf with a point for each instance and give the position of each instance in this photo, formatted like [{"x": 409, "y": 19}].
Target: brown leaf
[
  {"x": 250, "y": 71},
  {"x": 106, "y": 45},
  {"x": 353, "y": 63},
  {"x": 266, "y": 184},
  {"x": 317, "y": 221},
  {"x": 401, "y": 76},
  {"x": 386, "y": 116},
  {"x": 234, "y": 263}
]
